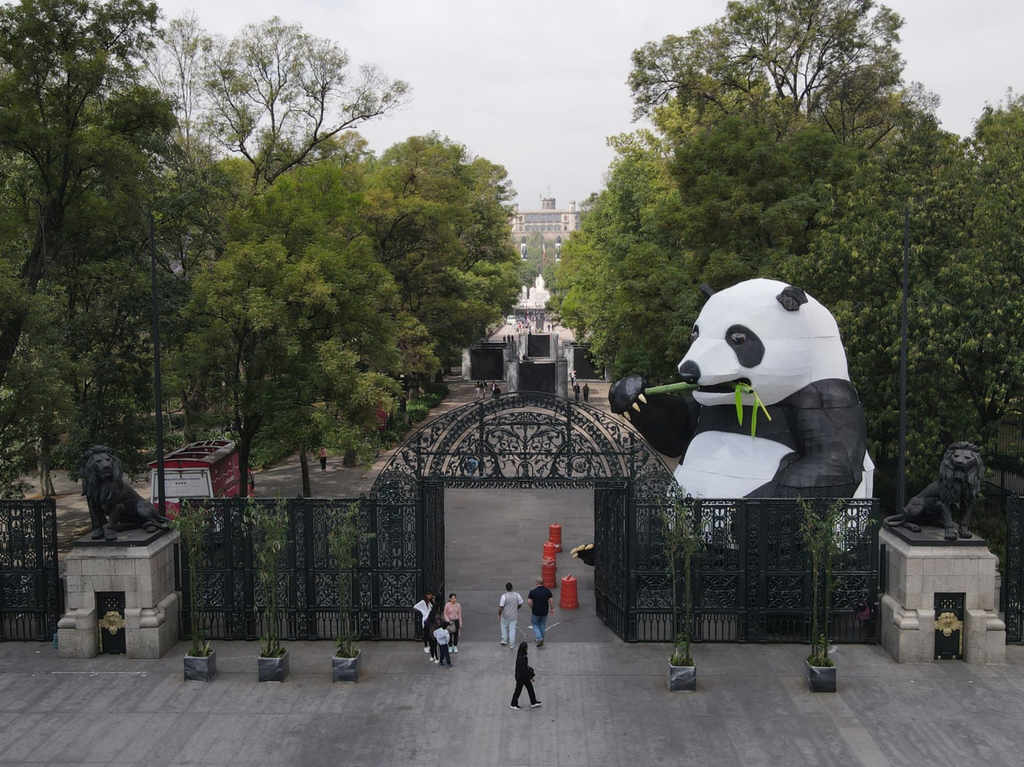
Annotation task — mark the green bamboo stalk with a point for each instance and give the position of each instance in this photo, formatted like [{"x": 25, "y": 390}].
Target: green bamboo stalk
[{"x": 669, "y": 388}]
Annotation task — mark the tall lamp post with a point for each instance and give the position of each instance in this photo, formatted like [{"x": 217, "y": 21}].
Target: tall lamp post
[
  {"x": 157, "y": 387},
  {"x": 901, "y": 467}
]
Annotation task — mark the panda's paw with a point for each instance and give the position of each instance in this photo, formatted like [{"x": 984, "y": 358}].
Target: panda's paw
[{"x": 627, "y": 393}]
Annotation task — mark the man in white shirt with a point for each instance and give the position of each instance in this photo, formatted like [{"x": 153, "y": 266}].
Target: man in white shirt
[{"x": 508, "y": 614}]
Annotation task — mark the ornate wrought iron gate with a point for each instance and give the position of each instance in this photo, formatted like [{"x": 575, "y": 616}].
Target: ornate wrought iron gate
[
  {"x": 611, "y": 541},
  {"x": 751, "y": 581},
  {"x": 30, "y": 593}
]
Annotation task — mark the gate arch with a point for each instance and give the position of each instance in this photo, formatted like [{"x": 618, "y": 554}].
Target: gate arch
[{"x": 531, "y": 439}]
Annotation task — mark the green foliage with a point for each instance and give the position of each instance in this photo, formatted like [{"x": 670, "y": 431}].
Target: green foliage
[
  {"x": 681, "y": 538},
  {"x": 80, "y": 137},
  {"x": 343, "y": 542},
  {"x": 966, "y": 309},
  {"x": 269, "y": 529},
  {"x": 278, "y": 96},
  {"x": 621, "y": 281},
  {"x": 819, "y": 535},
  {"x": 834, "y": 62},
  {"x": 438, "y": 221},
  {"x": 192, "y": 522}
]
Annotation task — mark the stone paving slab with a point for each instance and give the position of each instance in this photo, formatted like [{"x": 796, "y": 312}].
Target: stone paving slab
[{"x": 605, "y": 704}]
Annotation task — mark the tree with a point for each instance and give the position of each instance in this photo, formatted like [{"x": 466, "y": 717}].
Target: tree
[
  {"x": 76, "y": 127},
  {"x": 831, "y": 61},
  {"x": 295, "y": 313},
  {"x": 966, "y": 309},
  {"x": 438, "y": 221},
  {"x": 277, "y": 95},
  {"x": 622, "y": 281}
]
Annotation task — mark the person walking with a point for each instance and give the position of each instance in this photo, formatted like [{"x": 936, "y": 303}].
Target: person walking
[
  {"x": 524, "y": 678},
  {"x": 453, "y": 614},
  {"x": 424, "y": 608},
  {"x": 586, "y": 392},
  {"x": 576, "y": 391},
  {"x": 508, "y": 614},
  {"x": 442, "y": 637},
  {"x": 433, "y": 624},
  {"x": 540, "y": 607},
  {"x": 323, "y": 458}
]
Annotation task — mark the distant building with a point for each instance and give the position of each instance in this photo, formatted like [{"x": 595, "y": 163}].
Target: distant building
[{"x": 552, "y": 224}]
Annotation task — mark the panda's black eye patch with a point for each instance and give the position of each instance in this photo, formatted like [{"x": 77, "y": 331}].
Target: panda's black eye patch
[{"x": 745, "y": 342}]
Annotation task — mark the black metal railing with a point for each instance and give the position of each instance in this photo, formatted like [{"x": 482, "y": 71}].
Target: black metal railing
[{"x": 31, "y": 600}]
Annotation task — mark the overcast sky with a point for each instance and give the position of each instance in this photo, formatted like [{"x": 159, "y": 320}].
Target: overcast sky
[{"x": 538, "y": 86}]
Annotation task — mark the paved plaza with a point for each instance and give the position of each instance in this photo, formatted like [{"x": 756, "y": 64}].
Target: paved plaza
[{"x": 605, "y": 703}]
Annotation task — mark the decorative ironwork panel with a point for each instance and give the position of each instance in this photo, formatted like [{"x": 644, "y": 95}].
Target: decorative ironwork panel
[
  {"x": 1012, "y": 596},
  {"x": 230, "y": 599},
  {"x": 611, "y": 540},
  {"x": 433, "y": 537},
  {"x": 30, "y": 592},
  {"x": 751, "y": 577}
]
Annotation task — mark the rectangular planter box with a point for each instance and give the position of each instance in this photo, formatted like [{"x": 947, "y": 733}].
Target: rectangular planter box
[
  {"x": 821, "y": 678},
  {"x": 201, "y": 669},
  {"x": 273, "y": 669},
  {"x": 345, "y": 669},
  {"x": 682, "y": 678}
]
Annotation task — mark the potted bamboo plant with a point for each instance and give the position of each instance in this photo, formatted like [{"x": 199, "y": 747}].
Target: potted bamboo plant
[
  {"x": 201, "y": 658},
  {"x": 342, "y": 542},
  {"x": 269, "y": 526},
  {"x": 818, "y": 533},
  {"x": 681, "y": 539}
]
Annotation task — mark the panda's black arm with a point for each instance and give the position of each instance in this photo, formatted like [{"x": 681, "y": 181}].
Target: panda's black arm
[
  {"x": 831, "y": 436},
  {"x": 666, "y": 421}
]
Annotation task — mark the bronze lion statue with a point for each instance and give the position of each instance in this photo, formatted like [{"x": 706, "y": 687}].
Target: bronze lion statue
[
  {"x": 114, "y": 505},
  {"x": 956, "y": 489}
]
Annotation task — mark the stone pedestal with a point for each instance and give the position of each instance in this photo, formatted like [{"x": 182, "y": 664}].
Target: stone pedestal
[
  {"x": 141, "y": 565},
  {"x": 920, "y": 565}
]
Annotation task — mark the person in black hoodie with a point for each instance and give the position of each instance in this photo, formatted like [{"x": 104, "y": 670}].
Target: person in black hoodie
[{"x": 524, "y": 678}]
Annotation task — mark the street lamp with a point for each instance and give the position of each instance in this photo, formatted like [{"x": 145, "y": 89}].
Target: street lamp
[{"x": 157, "y": 388}]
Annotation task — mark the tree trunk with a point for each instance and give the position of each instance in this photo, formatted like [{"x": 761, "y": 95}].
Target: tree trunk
[{"x": 304, "y": 463}]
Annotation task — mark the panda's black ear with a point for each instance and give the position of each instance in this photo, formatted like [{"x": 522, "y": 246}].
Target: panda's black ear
[
  {"x": 707, "y": 290},
  {"x": 791, "y": 298}
]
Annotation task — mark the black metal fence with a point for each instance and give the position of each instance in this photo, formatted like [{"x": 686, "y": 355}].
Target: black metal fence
[
  {"x": 751, "y": 580},
  {"x": 382, "y": 588},
  {"x": 30, "y": 594},
  {"x": 1011, "y": 595}
]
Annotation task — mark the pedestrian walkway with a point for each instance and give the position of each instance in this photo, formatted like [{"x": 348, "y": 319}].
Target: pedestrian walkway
[{"x": 605, "y": 705}]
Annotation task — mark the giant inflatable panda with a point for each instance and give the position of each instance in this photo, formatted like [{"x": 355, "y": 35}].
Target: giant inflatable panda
[{"x": 786, "y": 345}]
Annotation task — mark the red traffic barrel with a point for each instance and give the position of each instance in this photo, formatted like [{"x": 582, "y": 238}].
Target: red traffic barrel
[
  {"x": 550, "y": 550},
  {"x": 568, "y": 600},
  {"x": 555, "y": 535},
  {"x": 547, "y": 573}
]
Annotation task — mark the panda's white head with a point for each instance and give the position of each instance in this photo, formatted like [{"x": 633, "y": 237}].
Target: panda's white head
[{"x": 766, "y": 333}]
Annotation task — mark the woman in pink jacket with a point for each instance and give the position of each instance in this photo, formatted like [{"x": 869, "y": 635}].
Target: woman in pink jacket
[{"x": 453, "y": 614}]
